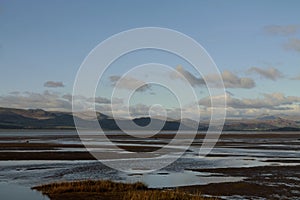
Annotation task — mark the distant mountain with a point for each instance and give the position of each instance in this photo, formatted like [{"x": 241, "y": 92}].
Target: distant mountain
[
  {"x": 265, "y": 123},
  {"x": 267, "y": 117},
  {"x": 11, "y": 118},
  {"x": 34, "y": 119}
]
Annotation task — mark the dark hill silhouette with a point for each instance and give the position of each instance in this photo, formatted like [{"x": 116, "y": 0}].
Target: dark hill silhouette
[{"x": 11, "y": 118}]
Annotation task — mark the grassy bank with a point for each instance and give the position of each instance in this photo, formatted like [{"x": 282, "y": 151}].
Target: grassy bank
[{"x": 110, "y": 190}]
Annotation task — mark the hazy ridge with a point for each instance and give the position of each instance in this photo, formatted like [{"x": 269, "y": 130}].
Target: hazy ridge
[{"x": 11, "y": 118}]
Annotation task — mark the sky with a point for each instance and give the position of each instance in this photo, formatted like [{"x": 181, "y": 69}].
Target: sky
[{"x": 254, "y": 44}]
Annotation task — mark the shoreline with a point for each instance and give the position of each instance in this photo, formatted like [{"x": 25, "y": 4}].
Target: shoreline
[
  {"x": 259, "y": 182},
  {"x": 270, "y": 182},
  {"x": 278, "y": 153},
  {"x": 70, "y": 147}
]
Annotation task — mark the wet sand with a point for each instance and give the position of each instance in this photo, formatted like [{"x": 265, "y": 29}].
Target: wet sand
[
  {"x": 279, "y": 178},
  {"x": 270, "y": 182},
  {"x": 26, "y": 147}
]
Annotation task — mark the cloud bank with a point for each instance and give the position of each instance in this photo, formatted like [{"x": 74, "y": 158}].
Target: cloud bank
[
  {"x": 274, "y": 101},
  {"x": 47, "y": 100}
]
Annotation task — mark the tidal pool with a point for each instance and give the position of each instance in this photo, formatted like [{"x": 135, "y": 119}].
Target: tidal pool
[{"x": 16, "y": 192}]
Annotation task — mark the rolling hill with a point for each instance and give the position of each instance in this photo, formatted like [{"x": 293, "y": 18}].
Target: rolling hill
[{"x": 11, "y": 118}]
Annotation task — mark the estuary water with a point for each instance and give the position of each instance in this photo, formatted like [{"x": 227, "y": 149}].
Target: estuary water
[{"x": 234, "y": 150}]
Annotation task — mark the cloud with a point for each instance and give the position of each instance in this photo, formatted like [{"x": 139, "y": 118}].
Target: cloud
[
  {"x": 100, "y": 100},
  {"x": 50, "y": 100},
  {"x": 193, "y": 80},
  {"x": 236, "y": 107},
  {"x": 230, "y": 80},
  {"x": 233, "y": 81},
  {"x": 46, "y": 100},
  {"x": 274, "y": 101},
  {"x": 129, "y": 83},
  {"x": 293, "y": 44},
  {"x": 103, "y": 100},
  {"x": 270, "y": 73},
  {"x": 139, "y": 110},
  {"x": 281, "y": 30},
  {"x": 67, "y": 96},
  {"x": 53, "y": 84}
]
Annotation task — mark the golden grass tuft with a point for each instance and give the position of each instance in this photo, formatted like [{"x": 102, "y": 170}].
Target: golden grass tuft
[
  {"x": 161, "y": 194},
  {"x": 89, "y": 186},
  {"x": 111, "y": 190}
]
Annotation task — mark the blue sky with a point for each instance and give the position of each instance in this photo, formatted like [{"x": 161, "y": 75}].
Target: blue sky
[{"x": 44, "y": 41}]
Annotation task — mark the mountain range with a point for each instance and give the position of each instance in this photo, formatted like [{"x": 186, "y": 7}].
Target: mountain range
[{"x": 11, "y": 118}]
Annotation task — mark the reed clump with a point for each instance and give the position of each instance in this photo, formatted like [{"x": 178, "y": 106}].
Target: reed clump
[
  {"x": 162, "y": 194},
  {"x": 91, "y": 189},
  {"x": 89, "y": 186}
]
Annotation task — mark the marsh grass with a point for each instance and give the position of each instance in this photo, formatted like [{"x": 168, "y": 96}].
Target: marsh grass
[
  {"x": 89, "y": 186},
  {"x": 162, "y": 194},
  {"x": 106, "y": 189}
]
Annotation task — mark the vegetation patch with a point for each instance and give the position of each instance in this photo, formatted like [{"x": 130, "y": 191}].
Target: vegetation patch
[{"x": 105, "y": 189}]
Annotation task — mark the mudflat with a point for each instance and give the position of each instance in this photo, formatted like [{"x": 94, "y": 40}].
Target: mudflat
[
  {"x": 268, "y": 162},
  {"x": 270, "y": 182}
]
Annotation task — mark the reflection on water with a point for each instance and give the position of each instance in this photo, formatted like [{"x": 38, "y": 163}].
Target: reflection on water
[
  {"x": 238, "y": 151},
  {"x": 17, "y": 192},
  {"x": 176, "y": 179}
]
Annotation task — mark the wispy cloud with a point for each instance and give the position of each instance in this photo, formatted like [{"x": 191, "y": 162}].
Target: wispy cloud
[
  {"x": 287, "y": 30},
  {"x": 233, "y": 81},
  {"x": 293, "y": 44},
  {"x": 270, "y": 73},
  {"x": 284, "y": 30},
  {"x": 230, "y": 80},
  {"x": 53, "y": 84},
  {"x": 129, "y": 83},
  {"x": 182, "y": 73}
]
